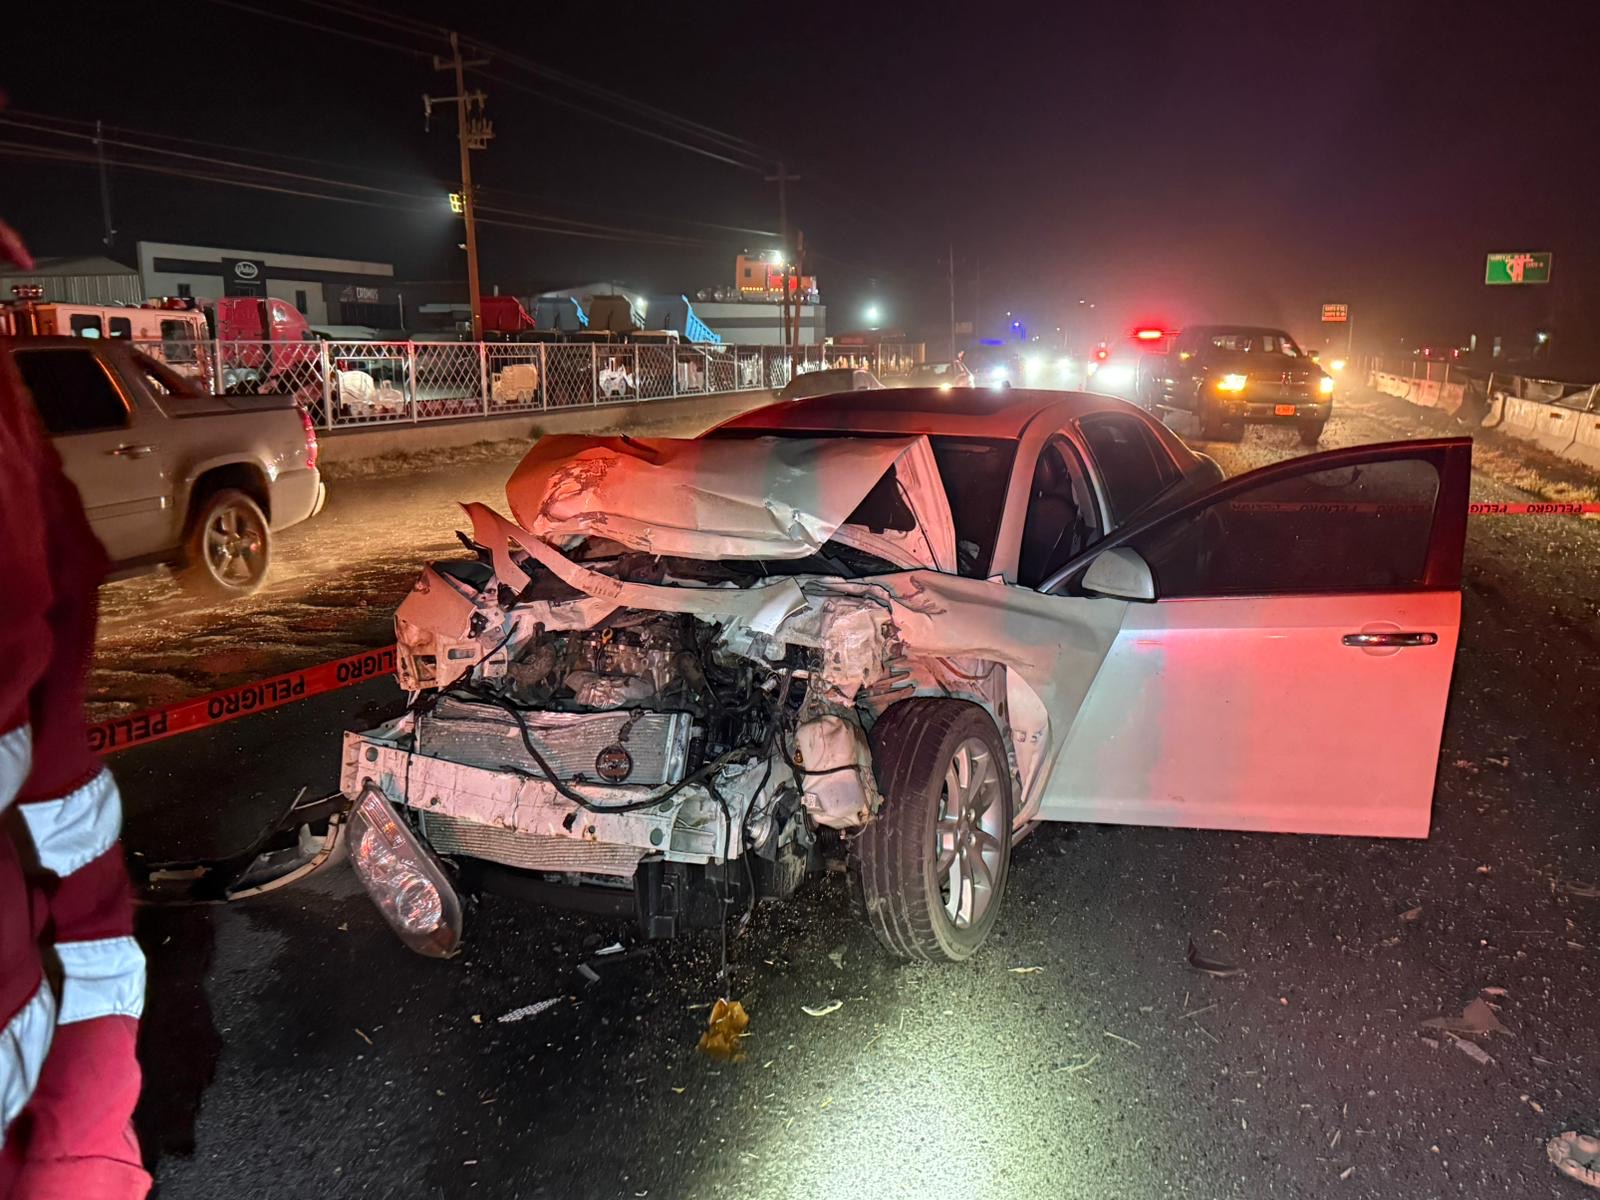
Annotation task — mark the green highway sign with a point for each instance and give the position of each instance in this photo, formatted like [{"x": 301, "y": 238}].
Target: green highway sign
[{"x": 1518, "y": 267}]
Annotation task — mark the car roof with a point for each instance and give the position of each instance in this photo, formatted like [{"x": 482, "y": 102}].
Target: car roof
[
  {"x": 968, "y": 412},
  {"x": 1207, "y": 329}
]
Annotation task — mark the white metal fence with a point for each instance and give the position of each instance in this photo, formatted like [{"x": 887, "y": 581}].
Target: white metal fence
[{"x": 369, "y": 383}]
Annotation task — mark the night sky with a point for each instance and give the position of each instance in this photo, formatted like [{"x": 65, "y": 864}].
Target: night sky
[{"x": 1197, "y": 162}]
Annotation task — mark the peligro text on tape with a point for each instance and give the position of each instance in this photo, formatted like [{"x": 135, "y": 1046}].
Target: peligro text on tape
[
  {"x": 229, "y": 704},
  {"x": 1541, "y": 508}
]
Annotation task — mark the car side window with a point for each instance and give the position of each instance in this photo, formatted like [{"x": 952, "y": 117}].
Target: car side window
[
  {"x": 1134, "y": 466},
  {"x": 72, "y": 391},
  {"x": 1344, "y": 529},
  {"x": 1061, "y": 521}
]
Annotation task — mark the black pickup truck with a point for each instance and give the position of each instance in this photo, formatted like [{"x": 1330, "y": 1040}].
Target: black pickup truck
[{"x": 1230, "y": 375}]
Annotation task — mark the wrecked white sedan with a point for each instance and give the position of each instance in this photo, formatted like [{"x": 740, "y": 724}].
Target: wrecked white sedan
[{"x": 905, "y": 625}]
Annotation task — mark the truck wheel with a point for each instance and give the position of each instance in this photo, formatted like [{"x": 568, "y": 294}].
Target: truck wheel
[
  {"x": 1311, "y": 432},
  {"x": 933, "y": 861},
  {"x": 1215, "y": 427},
  {"x": 228, "y": 548}
]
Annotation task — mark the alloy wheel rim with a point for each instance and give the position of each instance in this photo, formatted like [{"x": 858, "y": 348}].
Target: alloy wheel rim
[
  {"x": 967, "y": 845},
  {"x": 234, "y": 541}
]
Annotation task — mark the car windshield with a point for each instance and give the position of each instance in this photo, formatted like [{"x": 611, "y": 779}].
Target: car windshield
[
  {"x": 975, "y": 472},
  {"x": 1254, "y": 341},
  {"x": 818, "y": 383}
]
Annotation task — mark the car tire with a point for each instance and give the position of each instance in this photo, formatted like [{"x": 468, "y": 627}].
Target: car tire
[
  {"x": 1213, "y": 425},
  {"x": 1233, "y": 431},
  {"x": 1311, "y": 432},
  {"x": 917, "y": 908},
  {"x": 228, "y": 547}
]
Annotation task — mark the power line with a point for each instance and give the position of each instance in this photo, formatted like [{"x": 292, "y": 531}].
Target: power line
[
  {"x": 48, "y": 123},
  {"x": 592, "y": 227},
  {"x": 727, "y": 141},
  {"x": 573, "y": 105},
  {"x": 685, "y": 126},
  {"x": 422, "y": 206},
  {"x": 386, "y": 19},
  {"x": 271, "y": 14}
]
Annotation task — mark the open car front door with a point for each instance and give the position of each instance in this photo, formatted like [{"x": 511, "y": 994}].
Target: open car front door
[{"x": 1291, "y": 672}]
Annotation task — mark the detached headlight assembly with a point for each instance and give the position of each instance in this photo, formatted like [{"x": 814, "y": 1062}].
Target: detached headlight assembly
[
  {"x": 1325, "y": 385},
  {"x": 403, "y": 877},
  {"x": 1232, "y": 383}
]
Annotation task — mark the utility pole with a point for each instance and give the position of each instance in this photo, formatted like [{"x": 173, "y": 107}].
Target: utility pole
[
  {"x": 951, "y": 273},
  {"x": 799, "y": 274},
  {"x": 977, "y": 296},
  {"x": 474, "y": 134},
  {"x": 109, "y": 234},
  {"x": 783, "y": 179}
]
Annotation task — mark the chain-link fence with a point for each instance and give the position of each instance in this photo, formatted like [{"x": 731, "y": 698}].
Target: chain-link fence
[{"x": 372, "y": 383}]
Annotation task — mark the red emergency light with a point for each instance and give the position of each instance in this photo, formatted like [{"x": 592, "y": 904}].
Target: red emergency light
[{"x": 1101, "y": 353}]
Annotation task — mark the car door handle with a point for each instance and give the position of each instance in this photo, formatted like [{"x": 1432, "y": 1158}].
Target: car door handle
[
  {"x": 1368, "y": 641},
  {"x": 131, "y": 451}
]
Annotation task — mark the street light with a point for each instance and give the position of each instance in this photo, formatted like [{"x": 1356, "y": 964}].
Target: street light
[{"x": 873, "y": 315}]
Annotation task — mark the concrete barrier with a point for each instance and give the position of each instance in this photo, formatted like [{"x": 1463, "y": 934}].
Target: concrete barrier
[
  {"x": 1451, "y": 397},
  {"x": 1521, "y": 419},
  {"x": 1557, "y": 429},
  {"x": 1585, "y": 447},
  {"x": 1548, "y": 426},
  {"x": 677, "y": 416}
]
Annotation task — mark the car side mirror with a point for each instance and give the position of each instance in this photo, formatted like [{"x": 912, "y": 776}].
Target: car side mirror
[{"x": 1120, "y": 573}]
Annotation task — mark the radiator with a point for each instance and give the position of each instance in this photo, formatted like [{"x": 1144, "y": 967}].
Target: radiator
[
  {"x": 481, "y": 735},
  {"x": 531, "y": 851}
]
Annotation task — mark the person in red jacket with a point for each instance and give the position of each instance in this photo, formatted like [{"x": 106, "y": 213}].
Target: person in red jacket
[{"x": 71, "y": 975}]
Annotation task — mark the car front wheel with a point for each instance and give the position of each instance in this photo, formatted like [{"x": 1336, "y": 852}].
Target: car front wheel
[
  {"x": 933, "y": 861},
  {"x": 228, "y": 548}
]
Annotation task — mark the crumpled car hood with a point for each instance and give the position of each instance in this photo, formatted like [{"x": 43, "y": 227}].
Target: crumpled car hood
[{"x": 762, "y": 498}]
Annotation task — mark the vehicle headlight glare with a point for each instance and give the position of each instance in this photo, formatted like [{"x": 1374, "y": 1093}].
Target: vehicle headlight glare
[
  {"x": 1231, "y": 383},
  {"x": 1325, "y": 385}
]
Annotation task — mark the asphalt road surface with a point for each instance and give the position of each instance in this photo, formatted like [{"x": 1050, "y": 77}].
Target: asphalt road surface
[{"x": 293, "y": 1048}]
